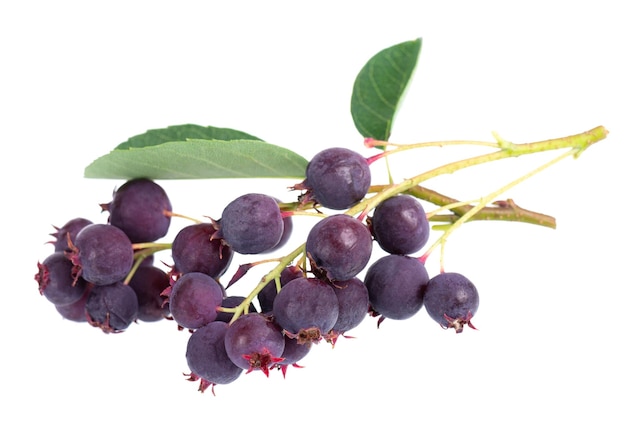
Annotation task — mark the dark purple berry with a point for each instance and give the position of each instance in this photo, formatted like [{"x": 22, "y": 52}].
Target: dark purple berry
[
  {"x": 337, "y": 178},
  {"x": 253, "y": 342},
  {"x": 400, "y": 225},
  {"x": 207, "y": 358},
  {"x": 307, "y": 309},
  {"x": 396, "y": 286},
  {"x": 451, "y": 300},
  {"x": 353, "y": 299},
  {"x": 292, "y": 354},
  {"x": 140, "y": 208},
  {"x": 76, "y": 310},
  {"x": 339, "y": 246},
  {"x": 268, "y": 293},
  {"x": 287, "y": 230},
  {"x": 56, "y": 280},
  {"x": 195, "y": 249},
  {"x": 103, "y": 254},
  {"x": 112, "y": 308},
  {"x": 149, "y": 282},
  {"x": 194, "y": 299},
  {"x": 67, "y": 233},
  {"x": 252, "y": 223}
]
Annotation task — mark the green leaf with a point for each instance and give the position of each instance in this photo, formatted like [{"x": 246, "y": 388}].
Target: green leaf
[
  {"x": 181, "y": 133},
  {"x": 199, "y": 159},
  {"x": 379, "y": 87}
]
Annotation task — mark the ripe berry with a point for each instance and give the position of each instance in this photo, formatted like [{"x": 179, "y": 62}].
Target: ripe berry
[
  {"x": 337, "y": 178},
  {"x": 252, "y": 223},
  {"x": 195, "y": 249},
  {"x": 306, "y": 308},
  {"x": 112, "y": 308},
  {"x": 139, "y": 208},
  {"x": 292, "y": 354},
  {"x": 207, "y": 358},
  {"x": 400, "y": 226},
  {"x": 194, "y": 299},
  {"x": 149, "y": 282},
  {"x": 232, "y": 301},
  {"x": 267, "y": 295},
  {"x": 254, "y": 342},
  {"x": 102, "y": 253},
  {"x": 56, "y": 281},
  {"x": 396, "y": 286},
  {"x": 67, "y": 233},
  {"x": 451, "y": 300},
  {"x": 339, "y": 246},
  {"x": 353, "y": 299}
]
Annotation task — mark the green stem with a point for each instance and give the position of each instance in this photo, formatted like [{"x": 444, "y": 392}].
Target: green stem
[{"x": 579, "y": 142}]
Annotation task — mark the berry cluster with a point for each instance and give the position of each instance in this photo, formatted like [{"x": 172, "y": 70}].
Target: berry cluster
[{"x": 104, "y": 274}]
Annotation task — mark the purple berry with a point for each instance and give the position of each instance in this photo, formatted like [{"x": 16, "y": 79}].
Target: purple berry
[
  {"x": 195, "y": 249},
  {"x": 140, "y": 208},
  {"x": 103, "y": 254},
  {"x": 112, "y": 308},
  {"x": 337, "y": 178},
  {"x": 353, "y": 299},
  {"x": 67, "y": 233},
  {"x": 252, "y": 223},
  {"x": 292, "y": 354},
  {"x": 149, "y": 282},
  {"x": 339, "y": 246},
  {"x": 451, "y": 300},
  {"x": 400, "y": 226},
  {"x": 232, "y": 301},
  {"x": 194, "y": 299},
  {"x": 56, "y": 280},
  {"x": 76, "y": 310},
  {"x": 254, "y": 342},
  {"x": 207, "y": 358},
  {"x": 396, "y": 286},
  {"x": 306, "y": 308},
  {"x": 267, "y": 295}
]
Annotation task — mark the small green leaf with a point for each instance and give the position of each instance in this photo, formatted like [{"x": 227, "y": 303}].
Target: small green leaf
[
  {"x": 379, "y": 87},
  {"x": 199, "y": 159},
  {"x": 181, "y": 133}
]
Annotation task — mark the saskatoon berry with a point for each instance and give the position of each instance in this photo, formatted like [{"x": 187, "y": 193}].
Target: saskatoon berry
[
  {"x": 207, "y": 358},
  {"x": 307, "y": 309},
  {"x": 287, "y": 230},
  {"x": 56, "y": 281},
  {"x": 194, "y": 299},
  {"x": 139, "y": 208},
  {"x": 337, "y": 178},
  {"x": 103, "y": 253},
  {"x": 353, "y": 299},
  {"x": 112, "y": 308},
  {"x": 292, "y": 354},
  {"x": 254, "y": 342},
  {"x": 396, "y": 286},
  {"x": 339, "y": 246},
  {"x": 195, "y": 249},
  {"x": 252, "y": 223},
  {"x": 76, "y": 310},
  {"x": 149, "y": 282},
  {"x": 451, "y": 300},
  {"x": 68, "y": 233},
  {"x": 268, "y": 293},
  {"x": 400, "y": 226}
]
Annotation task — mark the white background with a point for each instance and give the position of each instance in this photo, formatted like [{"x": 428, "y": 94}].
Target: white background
[{"x": 77, "y": 79}]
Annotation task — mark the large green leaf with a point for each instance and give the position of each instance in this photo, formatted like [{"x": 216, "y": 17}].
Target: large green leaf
[
  {"x": 181, "y": 133},
  {"x": 199, "y": 159},
  {"x": 379, "y": 87}
]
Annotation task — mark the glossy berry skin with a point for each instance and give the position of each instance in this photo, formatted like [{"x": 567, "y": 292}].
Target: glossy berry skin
[
  {"x": 306, "y": 308},
  {"x": 267, "y": 295},
  {"x": 396, "y": 286},
  {"x": 194, "y": 299},
  {"x": 338, "y": 178},
  {"x": 56, "y": 280},
  {"x": 400, "y": 226},
  {"x": 207, "y": 358},
  {"x": 149, "y": 282},
  {"x": 139, "y": 209},
  {"x": 195, "y": 249},
  {"x": 67, "y": 233},
  {"x": 340, "y": 246},
  {"x": 112, "y": 308},
  {"x": 254, "y": 342},
  {"x": 353, "y": 299},
  {"x": 103, "y": 253},
  {"x": 252, "y": 223},
  {"x": 451, "y": 299}
]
